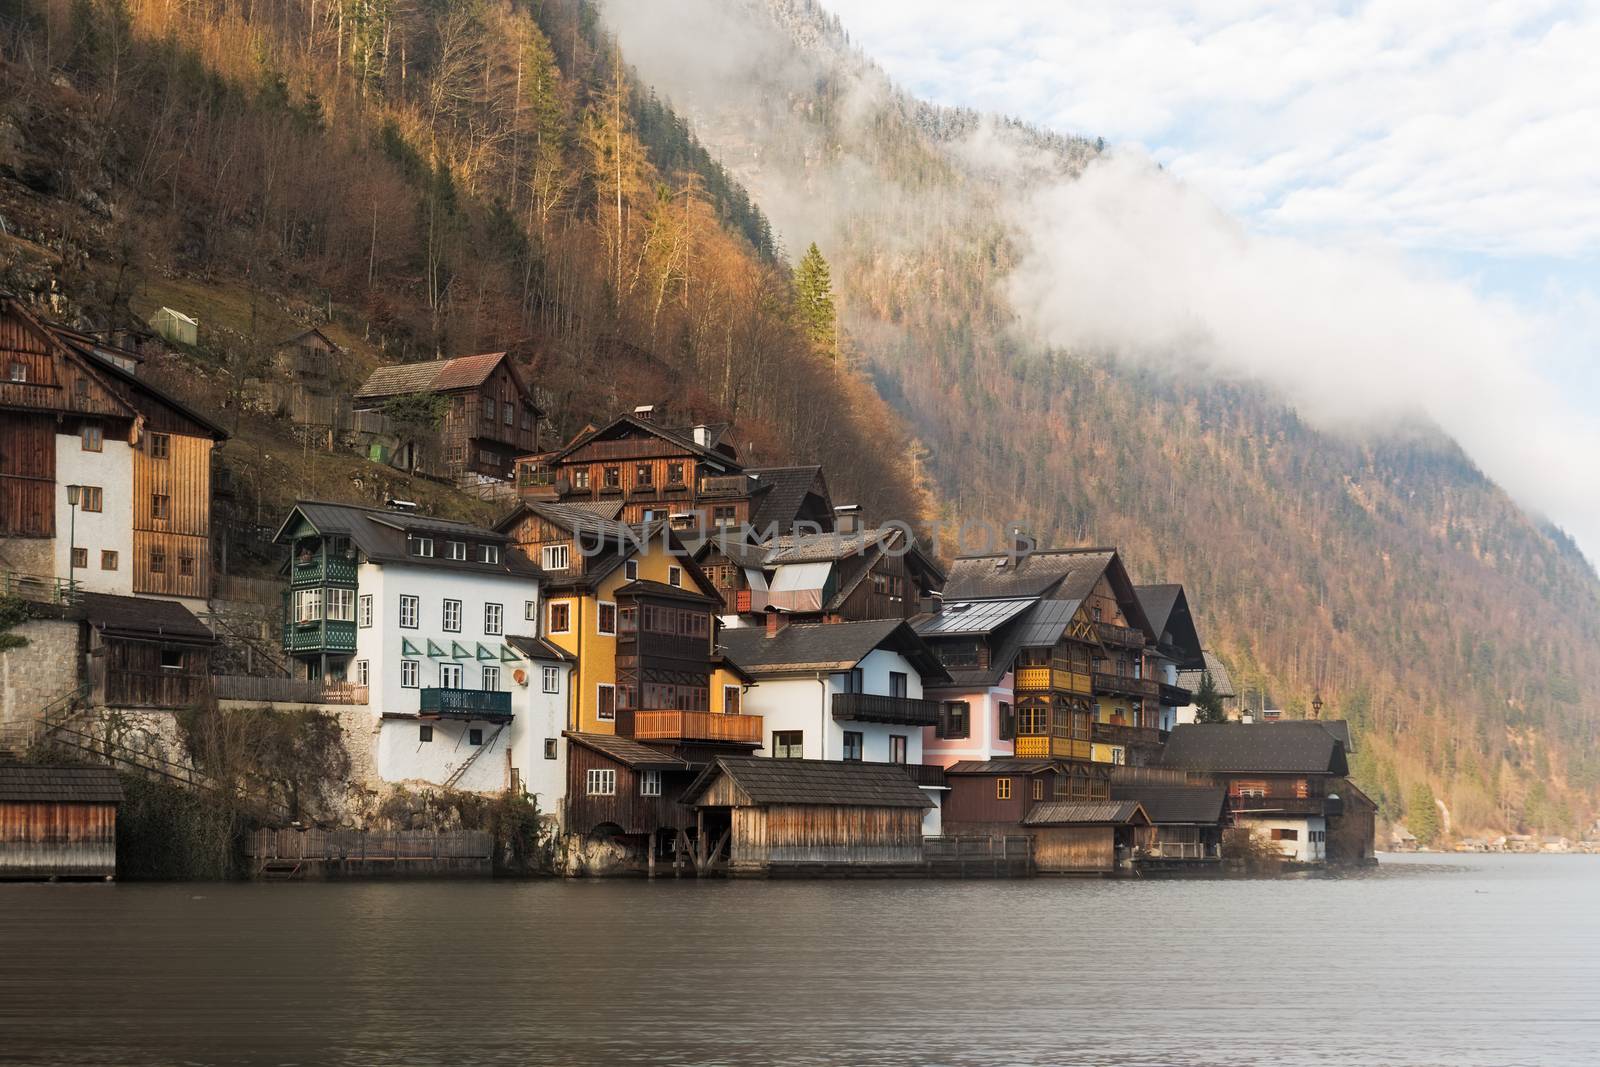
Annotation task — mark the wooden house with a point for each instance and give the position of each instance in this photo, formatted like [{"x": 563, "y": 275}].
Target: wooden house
[
  {"x": 1186, "y": 820},
  {"x": 304, "y": 385},
  {"x": 483, "y": 419},
  {"x": 990, "y": 798},
  {"x": 849, "y": 575},
  {"x": 621, "y": 790},
  {"x": 773, "y": 817},
  {"x": 58, "y": 822},
  {"x": 146, "y": 653},
  {"x": 1083, "y": 836},
  {"x": 1176, "y": 648}
]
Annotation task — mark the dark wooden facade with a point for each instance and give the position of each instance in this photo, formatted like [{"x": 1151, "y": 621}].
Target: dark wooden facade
[
  {"x": 27, "y": 474},
  {"x": 992, "y": 798},
  {"x": 626, "y": 812}
]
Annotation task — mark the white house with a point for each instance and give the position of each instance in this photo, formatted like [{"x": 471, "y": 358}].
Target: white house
[
  {"x": 437, "y": 621},
  {"x": 840, "y": 691}
]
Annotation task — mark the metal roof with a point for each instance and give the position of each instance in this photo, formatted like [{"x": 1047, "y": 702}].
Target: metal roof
[
  {"x": 382, "y": 534},
  {"x": 826, "y": 646},
  {"x": 972, "y": 616},
  {"x": 818, "y": 783}
]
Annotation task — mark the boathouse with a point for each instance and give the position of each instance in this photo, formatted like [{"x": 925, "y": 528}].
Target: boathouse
[
  {"x": 1083, "y": 836},
  {"x": 793, "y": 816},
  {"x": 58, "y": 822}
]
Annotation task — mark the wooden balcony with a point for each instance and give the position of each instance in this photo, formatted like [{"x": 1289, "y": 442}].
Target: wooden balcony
[
  {"x": 322, "y": 636},
  {"x": 897, "y": 711},
  {"x": 669, "y": 724},
  {"x": 1126, "y": 685},
  {"x": 725, "y": 485},
  {"x": 485, "y": 704},
  {"x": 1174, "y": 696},
  {"x": 1064, "y": 681},
  {"x": 1280, "y": 804},
  {"x": 1111, "y": 733},
  {"x": 1039, "y": 746},
  {"x": 317, "y": 571},
  {"x": 1119, "y": 636}
]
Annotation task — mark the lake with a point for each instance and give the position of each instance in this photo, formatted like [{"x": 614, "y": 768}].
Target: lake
[{"x": 1459, "y": 960}]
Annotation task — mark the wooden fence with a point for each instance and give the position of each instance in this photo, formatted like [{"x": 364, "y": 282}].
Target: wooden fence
[
  {"x": 286, "y": 690},
  {"x": 360, "y": 853}
]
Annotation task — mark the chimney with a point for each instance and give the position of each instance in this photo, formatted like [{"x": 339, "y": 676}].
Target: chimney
[
  {"x": 775, "y": 621},
  {"x": 645, "y": 413},
  {"x": 1022, "y": 544},
  {"x": 847, "y": 519},
  {"x": 702, "y": 435}
]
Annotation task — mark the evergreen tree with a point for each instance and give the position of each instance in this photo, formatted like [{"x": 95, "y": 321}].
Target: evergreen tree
[
  {"x": 813, "y": 290},
  {"x": 1422, "y": 814},
  {"x": 1208, "y": 702}
]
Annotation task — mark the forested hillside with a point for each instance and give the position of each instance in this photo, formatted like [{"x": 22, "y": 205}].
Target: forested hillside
[{"x": 1462, "y": 637}]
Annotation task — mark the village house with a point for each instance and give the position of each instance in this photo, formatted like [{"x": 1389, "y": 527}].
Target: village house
[
  {"x": 1190, "y": 678},
  {"x": 58, "y": 822},
  {"x": 1177, "y": 647},
  {"x": 1074, "y": 826},
  {"x": 469, "y": 418},
  {"x": 1185, "y": 830},
  {"x": 849, "y": 574},
  {"x": 416, "y": 615},
  {"x": 303, "y": 385},
  {"x": 105, "y": 481}
]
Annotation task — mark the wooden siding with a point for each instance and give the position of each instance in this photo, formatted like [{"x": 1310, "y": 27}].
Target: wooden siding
[
  {"x": 27, "y": 475},
  {"x": 184, "y": 478},
  {"x": 861, "y": 836},
  {"x": 972, "y": 799},
  {"x": 129, "y": 674},
  {"x": 1075, "y": 849},
  {"x": 57, "y": 840},
  {"x": 58, "y": 381},
  {"x": 626, "y": 809}
]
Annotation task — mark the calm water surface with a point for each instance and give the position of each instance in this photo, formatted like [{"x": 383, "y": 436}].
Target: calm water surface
[{"x": 1466, "y": 961}]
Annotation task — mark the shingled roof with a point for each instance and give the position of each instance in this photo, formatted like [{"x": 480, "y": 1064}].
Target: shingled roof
[
  {"x": 45, "y": 784},
  {"x": 1085, "y": 813},
  {"x": 434, "y": 376},
  {"x": 628, "y": 753},
  {"x": 1296, "y": 747},
  {"x": 1167, "y": 608},
  {"x": 816, "y": 783},
  {"x": 820, "y": 646},
  {"x": 783, "y": 492},
  {"x": 1190, "y": 679},
  {"x": 1174, "y": 805},
  {"x": 144, "y": 619}
]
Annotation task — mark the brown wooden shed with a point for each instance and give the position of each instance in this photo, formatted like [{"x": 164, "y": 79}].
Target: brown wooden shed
[
  {"x": 777, "y": 816},
  {"x": 1082, "y": 836},
  {"x": 58, "y": 822}
]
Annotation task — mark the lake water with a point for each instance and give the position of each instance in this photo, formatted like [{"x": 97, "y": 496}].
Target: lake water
[{"x": 1465, "y": 961}]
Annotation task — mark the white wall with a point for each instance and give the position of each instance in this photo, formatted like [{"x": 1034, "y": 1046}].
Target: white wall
[
  {"x": 541, "y": 716},
  {"x": 1303, "y": 849},
  {"x": 112, "y": 528},
  {"x": 404, "y": 757},
  {"x": 805, "y": 704}
]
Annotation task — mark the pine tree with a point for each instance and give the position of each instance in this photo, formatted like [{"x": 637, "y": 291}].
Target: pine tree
[
  {"x": 1208, "y": 702},
  {"x": 1422, "y": 814},
  {"x": 813, "y": 290}
]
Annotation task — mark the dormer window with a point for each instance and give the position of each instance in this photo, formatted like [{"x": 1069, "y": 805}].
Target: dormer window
[
  {"x": 422, "y": 547},
  {"x": 488, "y": 553}
]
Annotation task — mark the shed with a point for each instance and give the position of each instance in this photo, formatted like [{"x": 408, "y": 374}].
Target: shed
[
  {"x": 1185, "y": 820},
  {"x": 58, "y": 822},
  {"x": 176, "y": 326},
  {"x": 778, "y": 815},
  {"x": 146, "y": 653},
  {"x": 1082, "y": 836}
]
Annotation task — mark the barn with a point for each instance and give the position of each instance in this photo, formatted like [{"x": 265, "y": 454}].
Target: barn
[
  {"x": 58, "y": 822},
  {"x": 1083, "y": 836},
  {"x": 788, "y": 816}
]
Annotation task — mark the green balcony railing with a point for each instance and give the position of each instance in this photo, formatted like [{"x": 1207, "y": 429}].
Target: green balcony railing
[
  {"x": 321, "y": 636},
  {"x": 466, "y": 703},
  {"x": 317, "y": 571}
]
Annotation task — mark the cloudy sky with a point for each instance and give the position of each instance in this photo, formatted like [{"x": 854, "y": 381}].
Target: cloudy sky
[{"x": 1457, "y": 142}]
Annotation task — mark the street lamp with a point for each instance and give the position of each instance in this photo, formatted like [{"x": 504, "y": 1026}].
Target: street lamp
[
  {"x": 74, "y": 494},
  {"x": 1316, "y": 705}
]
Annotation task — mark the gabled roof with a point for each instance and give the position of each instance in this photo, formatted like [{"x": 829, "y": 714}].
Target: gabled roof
[
  {"x": 1340, "y": 729},
  {"x": 623, "y": 424},
  {"x": 1190, "y": 679},
  {"x": 803, "y": 648},
  {"x": 733, "y": 548},
  {"x": 825, "y": 547},
  {"x": 49, "y": 784},
  {"x": 970, "y": 617},
  {"x": 817, "y": 783},
  {"x": 628, "y": 753},
  {"x": 381, "y": 535},
  {"x": 1174, "y": 805},
  {"x": 782, "y": 492},
  {"x": 1167, "y": 608},
  {"x": 144, "y": 619},
  {"x": 1294, "y": 747},
  {"x": 665, "y": 591},
  {"x": 1065, "y": 574},
  {"x": 1085, "y": 813},
  {"x": 437, "y": 376},
  {"x": 999, "y": 766},
  {"x": 308, "y": 332}
]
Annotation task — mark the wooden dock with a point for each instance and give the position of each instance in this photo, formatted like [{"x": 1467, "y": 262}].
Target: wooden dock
[{"x": 299, "y": 855}]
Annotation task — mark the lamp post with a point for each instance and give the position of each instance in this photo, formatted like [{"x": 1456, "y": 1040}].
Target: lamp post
[
  {"x": 1316, "y": 705},
  {"x": 74, "y": 494}
]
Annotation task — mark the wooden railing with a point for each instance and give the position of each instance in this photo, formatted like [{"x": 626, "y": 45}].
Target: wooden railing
[
  {"x": 1126, "y": 685},
  {"x": 1113, "y": 733},
  {"x": 1289, "y": 804},
  {"x": 725, "y": 485},
  {"x": 899, "y": 711},
  {"x": 1041, "y": 746},
  {"x": 286, "y": 690},
  {"x": 669, "y": 724},
  {"x": 466, "y": 703},
  {"x": 1066, "y": 681},
  {"x": 1121, "y": 636}
]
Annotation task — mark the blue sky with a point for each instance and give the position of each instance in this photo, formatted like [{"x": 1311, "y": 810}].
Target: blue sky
[{"x": 1456, "y": 143}]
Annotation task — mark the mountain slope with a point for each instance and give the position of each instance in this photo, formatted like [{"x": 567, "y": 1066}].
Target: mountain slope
[{"x": 1388, "y": 572}]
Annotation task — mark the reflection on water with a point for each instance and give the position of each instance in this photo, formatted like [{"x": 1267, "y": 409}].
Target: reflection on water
[{"x": 1481, "y": 960}]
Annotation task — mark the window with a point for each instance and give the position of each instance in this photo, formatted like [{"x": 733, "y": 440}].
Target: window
[
  {"x": 580, "y": 478},
  {"x": 186, "y": 565},
  {"x": 957, "y": 719},
  {"x": 422, "y": 546},
  {"x": 491, "y": 679},
  {"x": 1008, "y": 722},
  {"x": 449, "y": 676},
  {"x": 560, "y": 617},
  {"x": 606, "y": 702},
  {"x": 408, "y": 674},
  {"x": 425, "y": 732},
  {"x": 18, "y": 372},
  {"x": 92, "y": 498},
  {"x": 674, "y": 473},
  {"x": 898, "y": 747},
  {"x": 307, "y": 606},
  {"x": 1038, "y": 789},
  {"x": 93, "y": 437},
  {"x": 649, "y": 783},
  {"x": 508, "y": 414},
  {"x": 1119, "y": 755},
  {"x": 342, "y": 605},
  {"x": 852, "y": 745},
  {"x": 555, "y": 557},
  {"x": 488, "y": 553},
  {"x": 80, "y": 557},
  {"x": 530, "y": 610},
  {"x": 475, "y": 737},
  {"x": 644, "y": 475},
  {"x": 158, "y": 561},
  {"x": 1280, "y": 833},
  {"x": 630, "y": 570},
  {"x": 602, "y": 782},
  {"x": 549, "y": 748},
  {"x": 612, "y": 478},
  {"x": 731, "y": 695},
  {"x": 605, "y": 620},
  {"x": 363, "y": 672},
  {"x": 550, "y": 679},
  {"x": 897, "y": 684},
  {"x": 160, "y": 506},
  {"x": 455, "y": 550},
  {"x": 850, "y": 681},
  {"x": 108, "y": 560},
  {"x": 171, "y": 659},
  {"x": 364, "y": 610},
  {"x": 675, "y": 576},
  {"x": 452, "y": 616},
  {"x": 527, "y": 419},
  {"x": 494, "y": 616},
  {"x": 1002, "y": 789},
  {"x": 160, "y": 446},
  {"x": 788, "y": 744},
  {"x": 725, "y": 514},
  {"x": 408, "y": 613}
]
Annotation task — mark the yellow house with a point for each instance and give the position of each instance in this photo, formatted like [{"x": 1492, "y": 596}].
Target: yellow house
[{"x": 640, "y": 617}]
